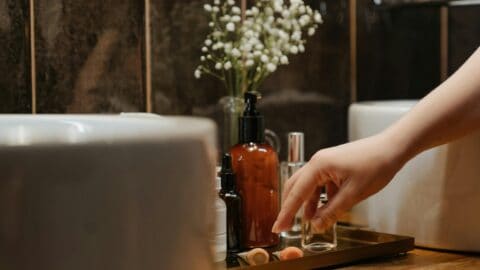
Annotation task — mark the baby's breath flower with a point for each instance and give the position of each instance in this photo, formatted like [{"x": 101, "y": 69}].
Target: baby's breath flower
[
  {"x": 297, "y": 35},
  {"x": 230, "y": 27},
  {"x": 197, "y": 73},
  {"x": 228, "y": 47},
  {"x": 309, "y": 10},
  {"x": 302, "y": 9},
  {"x": 304, "y": 20},
  {"x": 301, "y": 48},
  {"x": 236, "y": 52},
  {"x": 294, "y": 49},
  {"x": 236, "y": 18},
  {"x": 259, "y": 46},
  {"x": 217, "y": 45},
  {"x": 254, "y": 47},
  {"x": 317, "y": 17},
  {"x": 225, "y": 18},
  {"x": 271, "y": 67},
  {"x": 264, "y": 58}
]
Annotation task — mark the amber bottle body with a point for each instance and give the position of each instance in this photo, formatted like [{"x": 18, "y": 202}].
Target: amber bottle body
[{"x": 256, "y": 166}]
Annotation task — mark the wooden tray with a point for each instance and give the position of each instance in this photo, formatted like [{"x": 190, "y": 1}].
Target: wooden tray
[{"x": 353, "y": 245}]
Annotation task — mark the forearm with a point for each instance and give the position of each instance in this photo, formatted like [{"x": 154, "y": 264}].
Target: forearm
[{"x": 449, "y": 112}]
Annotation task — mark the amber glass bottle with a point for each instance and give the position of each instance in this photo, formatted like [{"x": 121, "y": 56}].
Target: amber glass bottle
[
  {"x": 256, "y": 164},
  {"x": 233, "y": 201}
]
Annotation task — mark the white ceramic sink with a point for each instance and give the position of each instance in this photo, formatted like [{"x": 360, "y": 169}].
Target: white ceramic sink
[
  {"x": 435, "y": 197},
  {"x": 112, "y": 192}
]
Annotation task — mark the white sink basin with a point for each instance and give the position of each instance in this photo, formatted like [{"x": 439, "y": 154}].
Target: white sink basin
[
  {"x": 435, "y": 197},
  {"x": 105, "y": 192}
]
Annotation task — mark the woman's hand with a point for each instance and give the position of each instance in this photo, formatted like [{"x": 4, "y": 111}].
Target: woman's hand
[
  {"x": 351, "y": 172},
  {"x": 354, "y": 171}
]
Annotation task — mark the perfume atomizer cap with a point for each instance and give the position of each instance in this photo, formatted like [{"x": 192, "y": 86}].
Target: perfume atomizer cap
[{"x": 295, "y": 147}]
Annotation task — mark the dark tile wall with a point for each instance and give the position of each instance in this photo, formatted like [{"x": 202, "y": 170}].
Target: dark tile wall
[
  {"x": 311, "y": 94},
  {"x": 178, "y": 31},
  {"x": 464, "y": 34},
  {"x": 15, "y": 93},
  {"x": 89, "y": 56},
  {"x": 398, "y": 51}
]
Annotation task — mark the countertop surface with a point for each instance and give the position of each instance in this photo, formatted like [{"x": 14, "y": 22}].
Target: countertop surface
[{"x": 422, "y": 259}]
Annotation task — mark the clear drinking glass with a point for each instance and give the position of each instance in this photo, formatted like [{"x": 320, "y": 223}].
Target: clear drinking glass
[{"x": 318, "y": 241}]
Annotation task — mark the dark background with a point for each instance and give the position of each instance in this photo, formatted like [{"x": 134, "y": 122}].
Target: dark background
[{"x": 90, "y": 57}]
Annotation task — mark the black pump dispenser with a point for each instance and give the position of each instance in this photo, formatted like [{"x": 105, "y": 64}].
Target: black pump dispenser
[
  {"x": 251, "y": 124},
  {"x": 227, "y": 175}
]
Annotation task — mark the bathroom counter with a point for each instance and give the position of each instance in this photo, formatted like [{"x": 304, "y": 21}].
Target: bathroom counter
[{"x": 422, "y": 259}]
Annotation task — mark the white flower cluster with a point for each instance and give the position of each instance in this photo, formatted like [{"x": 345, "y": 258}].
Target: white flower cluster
[{"x": 244, "y": 48}]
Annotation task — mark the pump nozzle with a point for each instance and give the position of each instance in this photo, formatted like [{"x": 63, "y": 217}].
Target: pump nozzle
[
  {"x": 251, "y": 124},
  {"x": 250, "y": 104}
]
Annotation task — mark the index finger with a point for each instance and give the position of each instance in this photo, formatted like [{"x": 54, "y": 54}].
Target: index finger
[{"x": 299, "y": 192}]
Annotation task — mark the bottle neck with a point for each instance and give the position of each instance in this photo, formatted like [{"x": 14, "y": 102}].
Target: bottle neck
[
  {"x": 251, "y": 129},
  {"x": 228, "y": 183}
]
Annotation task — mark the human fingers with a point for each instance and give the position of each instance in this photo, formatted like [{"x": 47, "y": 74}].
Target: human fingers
[
  {"x": 299, "y": 192},
  {"x": 329, "y": 213},
  {"x": 332, "y": 189},
  {"x": 287, "y": 186},
  {"x": 311, "y": 204}
]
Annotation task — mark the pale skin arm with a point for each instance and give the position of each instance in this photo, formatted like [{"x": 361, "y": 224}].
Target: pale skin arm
[{"x": 356, "y": 170}]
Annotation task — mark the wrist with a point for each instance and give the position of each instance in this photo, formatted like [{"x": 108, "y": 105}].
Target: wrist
[{"x": 397, "y": 147}]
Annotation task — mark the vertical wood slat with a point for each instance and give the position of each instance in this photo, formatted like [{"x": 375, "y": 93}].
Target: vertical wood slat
[
  {"x": 443, "y": 43},
  {"x": 353, "y": 51},
  {"x": 33, "y": 71},
  {"x": 148, "y": 58}
]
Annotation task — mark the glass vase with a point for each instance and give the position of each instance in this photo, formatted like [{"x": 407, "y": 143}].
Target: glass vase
[{"x": 232, "y": 109}]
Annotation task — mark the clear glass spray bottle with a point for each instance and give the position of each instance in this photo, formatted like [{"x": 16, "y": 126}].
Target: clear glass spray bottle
[{"x": 295, "y": 160}]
